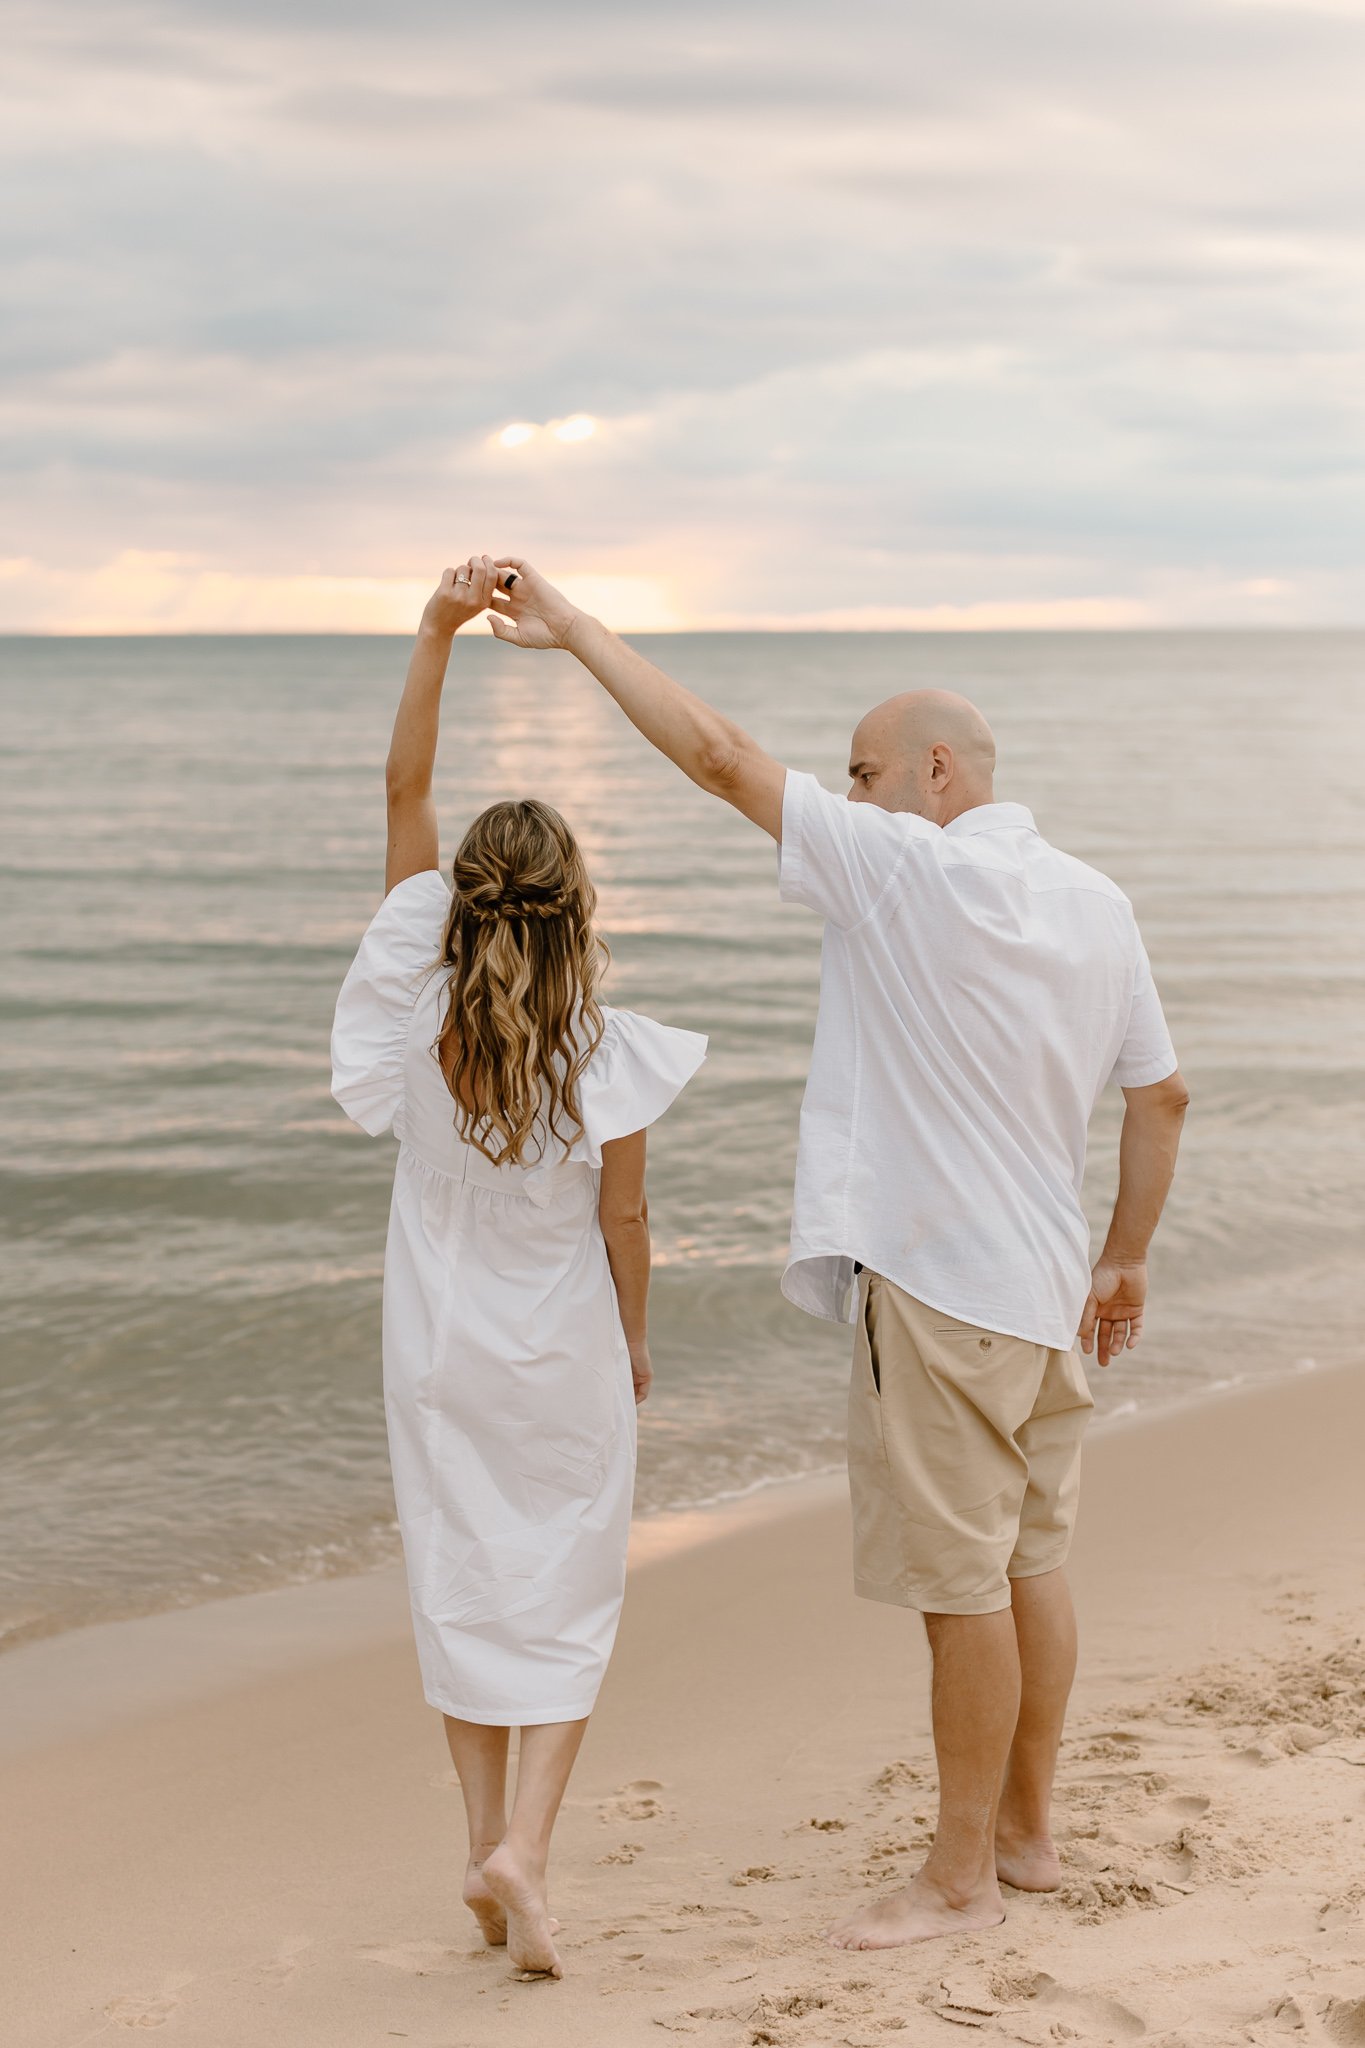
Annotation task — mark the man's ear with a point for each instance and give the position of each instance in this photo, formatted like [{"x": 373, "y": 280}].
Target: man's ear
[{"x": 942, "y": 770}]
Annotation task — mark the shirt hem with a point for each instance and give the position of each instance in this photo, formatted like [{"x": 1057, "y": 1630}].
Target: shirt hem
[{"x": 996, "y": 1321}]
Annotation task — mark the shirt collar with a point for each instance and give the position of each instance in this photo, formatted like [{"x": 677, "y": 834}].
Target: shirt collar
[{"x": 993, "y": 818}]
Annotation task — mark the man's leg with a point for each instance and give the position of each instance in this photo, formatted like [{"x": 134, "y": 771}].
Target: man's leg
[
  {"x": 976, "y": 1710},
  {"x": 1045, "y": 1626}
]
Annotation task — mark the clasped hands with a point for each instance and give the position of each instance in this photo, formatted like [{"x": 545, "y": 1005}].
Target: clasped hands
[{"x": 522, "y": 607}]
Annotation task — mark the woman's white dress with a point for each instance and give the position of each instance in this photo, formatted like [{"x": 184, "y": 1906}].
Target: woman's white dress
[{"x": 507, "y": 1382}]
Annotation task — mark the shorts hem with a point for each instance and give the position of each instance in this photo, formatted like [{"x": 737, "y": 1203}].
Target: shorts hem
[
  {"x": 1040, "y": 1571},
  {"x": 924, "y": 1603}
]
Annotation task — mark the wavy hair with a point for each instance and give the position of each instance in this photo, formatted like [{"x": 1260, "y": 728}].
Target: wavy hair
[{"x": 523, "y": 962}]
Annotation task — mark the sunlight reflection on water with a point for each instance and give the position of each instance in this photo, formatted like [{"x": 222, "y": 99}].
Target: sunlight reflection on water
[{"x": 191, "y": 834}]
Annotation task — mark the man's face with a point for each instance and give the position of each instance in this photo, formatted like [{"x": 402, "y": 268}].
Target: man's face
[{"x": 882, "y": 770}]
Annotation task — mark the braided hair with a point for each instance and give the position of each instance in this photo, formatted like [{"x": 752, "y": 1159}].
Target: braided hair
[{"x": 523, "y": 963}]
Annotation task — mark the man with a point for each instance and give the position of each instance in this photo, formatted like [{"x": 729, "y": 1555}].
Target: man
[{"x": 978, "y": 989}]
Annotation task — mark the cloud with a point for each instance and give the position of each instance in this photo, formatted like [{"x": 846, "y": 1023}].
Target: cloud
[{"x": 982, "y": 307}]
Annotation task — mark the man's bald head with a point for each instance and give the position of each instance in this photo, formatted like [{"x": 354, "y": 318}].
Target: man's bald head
[{"x": 927, "y": 751}]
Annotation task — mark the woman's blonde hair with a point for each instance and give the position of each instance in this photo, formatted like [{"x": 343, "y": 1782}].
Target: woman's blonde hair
[{"x": 522, "y": 1018}]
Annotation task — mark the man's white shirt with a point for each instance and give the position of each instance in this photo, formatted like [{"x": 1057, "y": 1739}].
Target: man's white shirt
[{"x": 978, "y": 989}]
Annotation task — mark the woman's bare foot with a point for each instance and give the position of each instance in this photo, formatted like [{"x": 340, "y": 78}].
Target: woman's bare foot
[
  {"x": 482, "y": 1904},
  {"x": 919, "y": 1913},
  {"x": 1030, "y": 1864},
  {"x": 520, "y": 1891},
  {"x": 485, "y": 1907}
]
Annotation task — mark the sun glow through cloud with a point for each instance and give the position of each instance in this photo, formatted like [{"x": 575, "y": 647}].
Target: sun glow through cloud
[
  {"x": 579, "y": 426},
  {"x": 1006, "y": 340}
]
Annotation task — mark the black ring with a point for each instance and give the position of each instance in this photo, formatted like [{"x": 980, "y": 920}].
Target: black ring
[{"x": 511, "y": 579}]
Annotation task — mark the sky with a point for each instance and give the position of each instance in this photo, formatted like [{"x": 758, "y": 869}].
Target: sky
[{"x": 984, "y": 313}]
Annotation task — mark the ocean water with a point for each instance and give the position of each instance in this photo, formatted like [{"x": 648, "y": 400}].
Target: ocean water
[{"x": 191, "y": 838}]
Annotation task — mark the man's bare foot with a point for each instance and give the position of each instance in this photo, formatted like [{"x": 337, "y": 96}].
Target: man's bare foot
[
  {"x": 919, "y": 1913},
  {"x": 1030, "y": 1864},
  {"x": 521, "y": 1894}
]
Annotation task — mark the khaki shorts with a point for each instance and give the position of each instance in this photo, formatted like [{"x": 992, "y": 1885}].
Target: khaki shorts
[{"x": 964, "y": 1454}]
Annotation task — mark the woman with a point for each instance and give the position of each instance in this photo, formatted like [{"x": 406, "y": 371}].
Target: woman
[{"x": 515, "y": 1346}]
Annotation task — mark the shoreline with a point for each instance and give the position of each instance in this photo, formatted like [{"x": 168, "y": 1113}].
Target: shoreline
[
  {"x": 655, "y": 1533},
  {"x": 278, "y": 1857},
  {"x": 57, "y": 1688}
]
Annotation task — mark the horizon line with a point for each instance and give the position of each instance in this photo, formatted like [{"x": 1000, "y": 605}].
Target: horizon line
[{"x": 845, "y": 632}]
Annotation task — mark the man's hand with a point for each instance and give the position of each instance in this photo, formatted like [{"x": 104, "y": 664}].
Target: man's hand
[
  {"x": 460, "y": 596},
  {"x": 718, "y": 754},
  {"x": 1118, "y": 1298},
  {"x": 526, "y": 610}
]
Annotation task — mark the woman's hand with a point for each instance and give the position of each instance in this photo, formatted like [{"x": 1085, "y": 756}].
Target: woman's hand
[
  {"x": 641, "y": 1371},
  {"x": 460, "y": 596},
  {"x": 528, "y": 611}
]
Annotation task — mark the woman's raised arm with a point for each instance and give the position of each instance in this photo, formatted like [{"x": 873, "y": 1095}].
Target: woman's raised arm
[{"x": 413, "y": 843}]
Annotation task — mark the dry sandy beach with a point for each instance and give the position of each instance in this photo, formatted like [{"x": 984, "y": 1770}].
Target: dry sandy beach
[{"x": 237, "y": 1826}]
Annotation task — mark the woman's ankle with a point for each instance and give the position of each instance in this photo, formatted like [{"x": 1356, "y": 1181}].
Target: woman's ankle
[{"x": 530, "y": 1853}]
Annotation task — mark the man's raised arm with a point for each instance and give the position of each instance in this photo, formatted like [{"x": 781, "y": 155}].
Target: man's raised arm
[{"x": 715, "y": 752}]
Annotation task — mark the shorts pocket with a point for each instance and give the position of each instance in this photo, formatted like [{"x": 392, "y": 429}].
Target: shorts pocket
[
  {"x": 963, "y": 1336},
  {"x": 866, "y": 1430}
]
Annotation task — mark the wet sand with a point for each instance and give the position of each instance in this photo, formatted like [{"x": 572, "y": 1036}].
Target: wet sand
[{"x": 237, "y": 1825}]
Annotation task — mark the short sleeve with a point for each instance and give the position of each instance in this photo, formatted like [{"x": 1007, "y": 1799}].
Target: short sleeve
[
  {"x": 1147, "y": 1054},
  {"x": 374, "y": 1009},
  {"x": 637, "y": 1071},
  {"x": 837, "y": 857}
]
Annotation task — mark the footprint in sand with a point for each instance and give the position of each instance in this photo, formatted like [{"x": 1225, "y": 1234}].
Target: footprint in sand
[
  {"x": 1343, "y": 2019},
  {"x": 968, "y": 2000},
  {"x": 794, "y": 2005},
  {"x": 763, "y": 2021},
  {"x": 1259, "y": 1754},
  {"x": 1322, "y": 2018},
  {"x": 1096, "y": 1899},
  {"x": 895, "y": 1777},
  {"x": 1111, "y": 1745},
  {"x": 632, "y": 1923},
  {"x": 889, "y": 1846},
  {"x": 627, "y": 1853},
  {"x": 1167, "y": 1828},
  {"x": 286, "y": 1959},
  {"x": 139, "y": 2009},
  {"x": 637, "y": 1801},
  {"x": 1342, "y": 1910},
  {"x": 416, "y": 1958},
  {"x": 1087, "y": 2006}
]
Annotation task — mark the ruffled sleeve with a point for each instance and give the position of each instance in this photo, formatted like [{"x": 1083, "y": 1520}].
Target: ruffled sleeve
[
  {"x": 374, "y": 1009},
  {"x": 639, "y": 1068}
]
